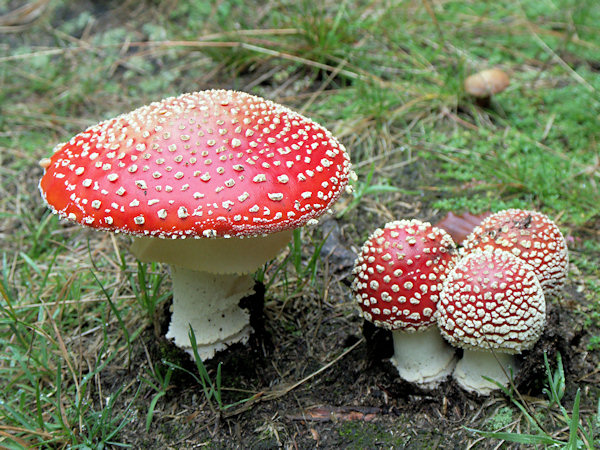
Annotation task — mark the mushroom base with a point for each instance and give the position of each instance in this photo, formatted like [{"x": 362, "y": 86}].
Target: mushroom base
[
  {"x": 209, "y": 304},
  {"x": 475, "y": 365},
  {"x": 423, "y": 358}
]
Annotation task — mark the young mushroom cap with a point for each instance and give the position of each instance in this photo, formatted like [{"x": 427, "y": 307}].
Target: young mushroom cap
[
  {"x": 486, "y": 83},
  {"x": 529, "y": 235},
  {"x": 213, "y": 167},
  {"x": 491, "y": 302},
  {"x": 399, "y": 273},
  {"x": 398, "y": 276}
]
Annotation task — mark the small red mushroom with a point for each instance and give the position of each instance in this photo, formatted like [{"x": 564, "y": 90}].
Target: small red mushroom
[
  {"x": 210, "y": 182},
  {"x": 529, "y": 235},
  {"x": 492, "y": 306},
  {"x": 398, "y": 276}
]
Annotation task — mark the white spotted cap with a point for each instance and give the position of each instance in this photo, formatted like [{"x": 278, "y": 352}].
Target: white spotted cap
[
  {"x": 492, "y": 300},
  {"x": 529, "y": 235},
  {"x": 399, "y": 273},
  {"x": 205, "y": 164}
]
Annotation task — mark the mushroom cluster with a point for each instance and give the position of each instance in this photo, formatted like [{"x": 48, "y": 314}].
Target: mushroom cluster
[
  {"x": 488, "y": 298},
  {"x": 532, "y": 237},
  {"x": 211, "y": 183},
  {"x": 493, "y": 302}
]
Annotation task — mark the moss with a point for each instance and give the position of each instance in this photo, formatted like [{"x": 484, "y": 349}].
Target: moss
[
  {"x": 358, "y": 435},
  {"x": 502, "y": 418}
]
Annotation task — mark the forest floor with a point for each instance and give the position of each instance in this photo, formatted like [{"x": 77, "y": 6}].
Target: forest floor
[{"x": 84, "y": 361}]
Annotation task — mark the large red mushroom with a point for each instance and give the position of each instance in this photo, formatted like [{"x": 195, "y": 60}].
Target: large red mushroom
[
  {"x": 209, "y": 182},
  {"x": 398, "y": 276},
  {"x": 529, "y": 235},
  {"x": 492, "y": 305}
]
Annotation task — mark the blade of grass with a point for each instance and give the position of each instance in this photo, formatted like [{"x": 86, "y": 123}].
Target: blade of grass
[{"x": 520, "y": 438}]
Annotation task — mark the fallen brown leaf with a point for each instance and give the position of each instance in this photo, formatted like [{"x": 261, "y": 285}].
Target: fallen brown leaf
[{"x": 460, "y": 226}]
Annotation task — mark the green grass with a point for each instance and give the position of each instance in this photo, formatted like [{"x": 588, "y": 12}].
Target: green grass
[
  {"x": 47, "y": 399},
  {"x": 385, "y": 77},
  {"x": 578, "y": 434}
]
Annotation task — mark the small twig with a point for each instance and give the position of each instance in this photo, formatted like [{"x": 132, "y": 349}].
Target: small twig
[
  {"x": 329, "y": 79},
  {"x": 40, "y": 433},
  {"x": 88, "y": 332},
  {"x": 265, "y": 76},
  {"x": 18, "y": 19},
  {"x": 16, "y": 439},
  {"x": 281, "y": 392},
  {"x": 298, "y": 59},
  {"x": 459, "y": 120},
  {"x": 548, "y": 127},
  {"x": 583, "y": 377},
  {"x": 277, "y": 393},
  {"x": 197, "y": 44},
  {"x": 68, "y": 302}
]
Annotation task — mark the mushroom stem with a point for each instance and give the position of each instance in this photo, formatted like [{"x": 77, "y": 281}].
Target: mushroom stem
[
  {"x": 476, "y": 364},
  {"x": 423, "y": 357},
  {"x": 210, "y": 277},
  {"x": 209, "y": 303}
]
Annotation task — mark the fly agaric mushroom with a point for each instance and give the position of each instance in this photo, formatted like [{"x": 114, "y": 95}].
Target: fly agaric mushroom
[
  {"x": 529, "y": 235},
  {"x": 211, "y": 183},
  {"x": 482, "y": 85},
  {"x": 398, "y": 276},
  {"x": 492, "y": 306}
]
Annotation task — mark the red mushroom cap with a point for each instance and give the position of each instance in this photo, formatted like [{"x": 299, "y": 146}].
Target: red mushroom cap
[
  {"x": 492, "y": 300},
  {"x": 399, "y": 273},
  {"x": 211, "y": 163},
  {"x": 529, "y": 235}
]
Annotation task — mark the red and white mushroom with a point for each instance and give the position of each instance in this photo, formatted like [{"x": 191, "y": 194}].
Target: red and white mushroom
[
  {"x": 529, "y": 235},
  {"x": 398, "y": 276},
  {"x": 492, "y": 306},
  {"x": 211, "y": 183}
]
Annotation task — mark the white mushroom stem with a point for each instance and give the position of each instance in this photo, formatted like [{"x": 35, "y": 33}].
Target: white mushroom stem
[
  {"x": 476, "y": 364},
  {"x": 210, "y": 277},
  {"x": 423, "y": 358},
  {"x": 209, "y": 303}
]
